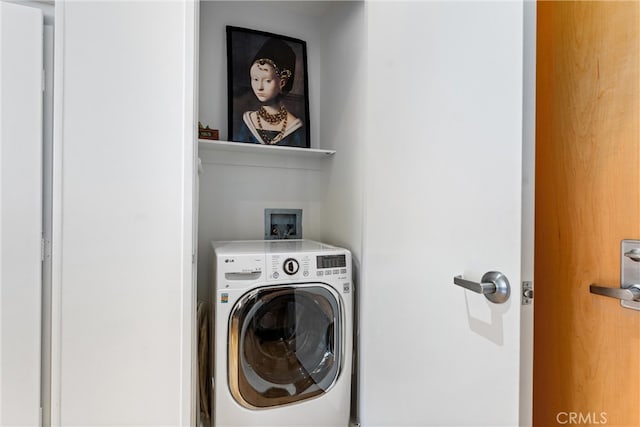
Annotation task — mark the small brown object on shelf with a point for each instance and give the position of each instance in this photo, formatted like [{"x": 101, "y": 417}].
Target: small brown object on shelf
[{"x": 207, "y": 133}]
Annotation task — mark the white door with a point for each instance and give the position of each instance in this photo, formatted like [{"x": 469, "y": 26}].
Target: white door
[
  {"x": 443, "y": 198},
  {"x": 123, "y": 301},
  {"x": 21, "y": 47}
]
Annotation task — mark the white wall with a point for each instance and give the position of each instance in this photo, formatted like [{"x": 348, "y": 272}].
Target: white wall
[
  {"x": 343, "y": 110},
  {"x": 235, "y": 188},
  {"x": 123, "y": 301},
  {"x": 343, "y": 79},
  {"x": 21, "y": 62}
]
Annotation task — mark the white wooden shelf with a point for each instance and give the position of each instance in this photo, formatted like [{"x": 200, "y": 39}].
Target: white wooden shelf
[
  {"x": 206, "y": 144},
  {"x": 258, "y": 155}
]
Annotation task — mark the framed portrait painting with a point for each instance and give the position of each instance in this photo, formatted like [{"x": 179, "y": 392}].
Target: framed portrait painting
[{"x": 268, "y": 88}]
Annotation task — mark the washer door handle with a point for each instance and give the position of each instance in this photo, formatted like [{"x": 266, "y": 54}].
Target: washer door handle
[{"x": 493, "y": 285}]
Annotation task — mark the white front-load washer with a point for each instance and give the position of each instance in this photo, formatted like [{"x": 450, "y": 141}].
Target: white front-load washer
[{"x": 283, "y": 334}]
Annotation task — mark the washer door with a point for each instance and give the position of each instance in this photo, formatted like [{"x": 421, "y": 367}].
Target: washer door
[{"x": 285, "y": 344}]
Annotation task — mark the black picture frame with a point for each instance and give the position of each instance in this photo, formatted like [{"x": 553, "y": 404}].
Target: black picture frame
[{"x": 258, "y": 52}]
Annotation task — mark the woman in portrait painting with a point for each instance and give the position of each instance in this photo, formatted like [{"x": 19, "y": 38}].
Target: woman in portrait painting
[{"x": 272, "y": 73}]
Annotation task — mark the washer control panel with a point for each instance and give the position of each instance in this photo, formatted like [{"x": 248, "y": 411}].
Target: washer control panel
[
  {"x": 288, "y": 266},
  {"x": 332, "y": 265}
]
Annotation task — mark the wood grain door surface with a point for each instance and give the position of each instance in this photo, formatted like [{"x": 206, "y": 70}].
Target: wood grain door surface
[{"x": 586, "y": 347}]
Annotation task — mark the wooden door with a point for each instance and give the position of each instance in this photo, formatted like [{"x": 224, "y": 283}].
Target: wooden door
[{"x": 586, "y": 347}]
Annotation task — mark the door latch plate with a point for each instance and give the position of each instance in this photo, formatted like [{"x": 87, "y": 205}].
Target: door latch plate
[{"x": 527, "y": 293}]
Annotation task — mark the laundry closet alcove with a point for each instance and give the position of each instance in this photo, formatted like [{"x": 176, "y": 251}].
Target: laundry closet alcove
[{"x": 238, "y": 181}]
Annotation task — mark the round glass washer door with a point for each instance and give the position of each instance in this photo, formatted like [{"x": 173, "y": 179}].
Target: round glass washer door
[{"x": 285, "y": 344}]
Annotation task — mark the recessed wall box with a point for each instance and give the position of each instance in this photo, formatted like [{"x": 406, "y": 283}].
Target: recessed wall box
[{"x": 282, "y": 224}]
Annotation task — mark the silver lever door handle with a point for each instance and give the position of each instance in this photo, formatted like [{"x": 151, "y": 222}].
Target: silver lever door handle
[
  {"x": 493, "y": 285},
  {"x": 480, "y": 288},
  {"x": 632, "y": 293}
]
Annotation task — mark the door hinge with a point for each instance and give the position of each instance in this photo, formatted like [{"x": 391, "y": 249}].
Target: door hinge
[
  {"x": 527, "y": 293},
  {"x": 45, "y": 249},
  {"x": 44, "y": 81}
]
